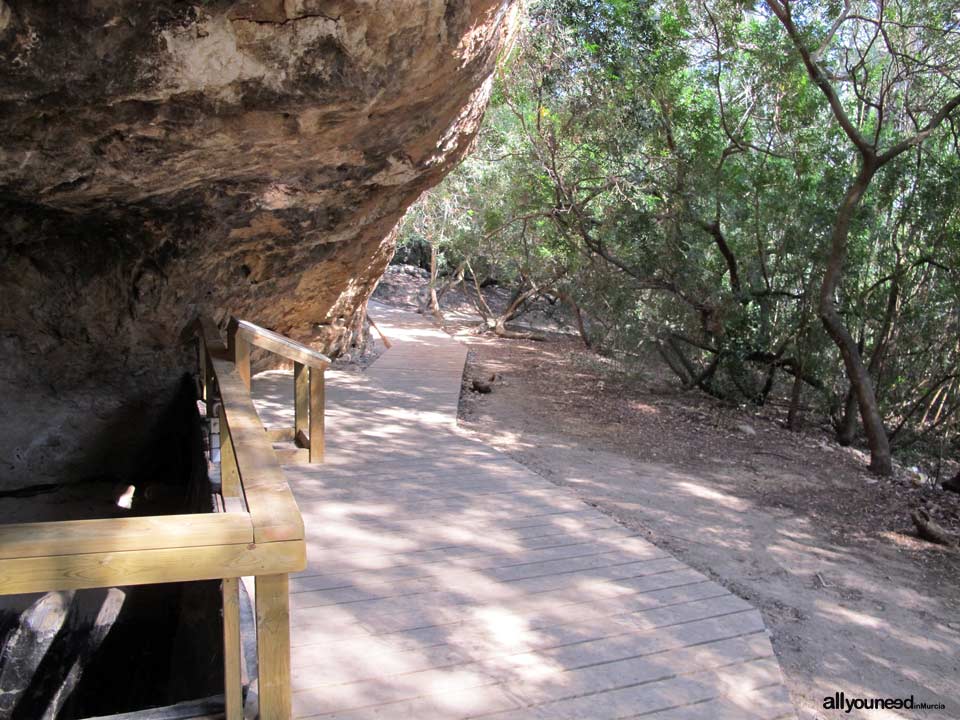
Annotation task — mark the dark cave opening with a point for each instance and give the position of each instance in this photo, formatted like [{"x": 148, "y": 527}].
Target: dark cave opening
[{"x": 75, "y": 654}]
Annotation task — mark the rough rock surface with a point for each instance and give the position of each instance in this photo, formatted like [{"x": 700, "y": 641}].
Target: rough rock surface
[{"x": 157, "y": 159}]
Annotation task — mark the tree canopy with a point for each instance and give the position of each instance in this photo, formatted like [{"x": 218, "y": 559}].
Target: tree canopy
[{"x": 764, "y": 194}]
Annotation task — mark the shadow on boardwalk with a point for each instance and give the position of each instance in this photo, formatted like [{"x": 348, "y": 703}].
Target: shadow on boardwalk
[{"x": 446, "y": 581}]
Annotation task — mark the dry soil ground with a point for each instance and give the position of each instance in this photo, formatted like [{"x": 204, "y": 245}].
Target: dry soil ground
[{"x": 790, "y": 521}]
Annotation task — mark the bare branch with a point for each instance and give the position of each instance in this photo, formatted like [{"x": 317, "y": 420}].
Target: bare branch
[
  {"x": 923, "y": 134},
  {"x": 782, "y": 11}
]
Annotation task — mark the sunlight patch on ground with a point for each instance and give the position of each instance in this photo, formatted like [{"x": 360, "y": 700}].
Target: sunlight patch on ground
[
  {"x": 412, "y": 334},
  {"x": 578, "y": 480},
  {"x": 356, "y": 508},
  {"x": 421, "y": 416},
  {"x": 506, "y": 633},
  {"x": 847, "y": 615},
  {"x": 346, "y": 533},
  {"x": 796, "y": 535},
  {"x": 792, "y": 552},
  {"x": 728, "y": 501}
]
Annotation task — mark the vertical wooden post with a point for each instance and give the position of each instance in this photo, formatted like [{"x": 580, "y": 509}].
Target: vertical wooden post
[
  {"x": 202, "y": 374},
  {"x": 301, "y": 399},
  {"x": 232, "y": 681},
  {"x": 316, "y": 415},
  {"x": 209, "y": 384},
  {"x": 273, "y": 646},
  {"x": 241, "y": 358},
  {"x": 229, "y": 471}
]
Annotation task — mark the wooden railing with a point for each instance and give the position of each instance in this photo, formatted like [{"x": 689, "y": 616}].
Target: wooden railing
[
  {"x": 308, "y": 370},
  {"x": 260, "y": 534}
]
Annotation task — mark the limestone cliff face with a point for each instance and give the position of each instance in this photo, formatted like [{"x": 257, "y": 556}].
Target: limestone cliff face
[{"x": 162, "y": 158}]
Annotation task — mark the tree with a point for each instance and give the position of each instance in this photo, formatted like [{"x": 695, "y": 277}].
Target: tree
[
  {"x": 673, "y": 171},
  {"x": 889, "y": 64}
]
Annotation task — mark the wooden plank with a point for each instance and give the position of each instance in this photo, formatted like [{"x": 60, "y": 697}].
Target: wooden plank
[
  {"x": 203, "y": 374},
  {"x": 204, "y": 329},
  {"x": 273, "y": 510},
  {"x": 209, "y": 388},
  {"x": 210, "y": 708},
  {"x": 317, "y": 419},
  {"x": 232, "y": 681},
  {"x": 280, "y": 434},
  {"x": 77, "y": 537},
  {"x": 241, "y": 359},
  {"x": 292, "y": 456},
  {"x": 144, "y": 567},
  {"x": 273, "y": 646},
  {"x": 234, "y": 504},
  {"x": 212, "y": 337},
  {"x": 301, "y": 398},
  {"x": 229, "y": 472},
  {"x": 279, "y": 344}
]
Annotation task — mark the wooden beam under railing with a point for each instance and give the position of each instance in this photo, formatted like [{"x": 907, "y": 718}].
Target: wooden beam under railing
[
  {"x": 147, "y": 567},
  {"x": 124, "y": 534}
]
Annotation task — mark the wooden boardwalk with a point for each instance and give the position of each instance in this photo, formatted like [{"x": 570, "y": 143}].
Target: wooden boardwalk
[{"x": 447, "y": 581}]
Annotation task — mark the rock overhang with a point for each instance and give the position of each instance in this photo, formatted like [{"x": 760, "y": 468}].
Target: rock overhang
[{"x": 251, "y": 158}]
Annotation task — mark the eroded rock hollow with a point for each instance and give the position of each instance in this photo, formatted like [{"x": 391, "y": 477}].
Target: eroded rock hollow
[{"x": 164, "y": 158}]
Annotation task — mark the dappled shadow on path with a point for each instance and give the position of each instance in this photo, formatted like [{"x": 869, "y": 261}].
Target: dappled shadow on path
[
  {"x": 823, "y": 597},
  {"x": 446, "y": 581}
]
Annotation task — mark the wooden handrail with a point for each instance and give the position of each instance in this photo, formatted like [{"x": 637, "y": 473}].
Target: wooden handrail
[
  {"x": 147, "y": 567},
  {"x": 271, "y": 505},
  {"x": 273, "y": 510},
  {"x": 277, "y": 343},
  {"x": 204, "y": 328},
  {"x": 76, "y": 537},
  {"x": 248, "y": 461},
  {"x": 308, "y": 373}
]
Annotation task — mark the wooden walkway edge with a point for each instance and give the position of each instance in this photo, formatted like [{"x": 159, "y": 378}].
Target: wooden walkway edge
[{"x": 445, "y": 581}]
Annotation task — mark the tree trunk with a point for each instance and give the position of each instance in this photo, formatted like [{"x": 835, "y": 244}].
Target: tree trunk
[
  {"x": 847, "y": 427},
  {"x": 767, "y": 385},
  {"x": 848, "y": 423},
  {"x": 667, "y": 353},
  {"x": 953, "y": 484},
  {"x": 454, "y": 279},
  {"x": 882, "y": 346},
  {"x": 519, "y": 298},
  {"x": 434, "y": 301},
  {"x": 482, "y": 307},
  {"x": 881, "y": 462},
  {"x": 796, "y": 395},
  {"x": 578, "y": 316}
]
